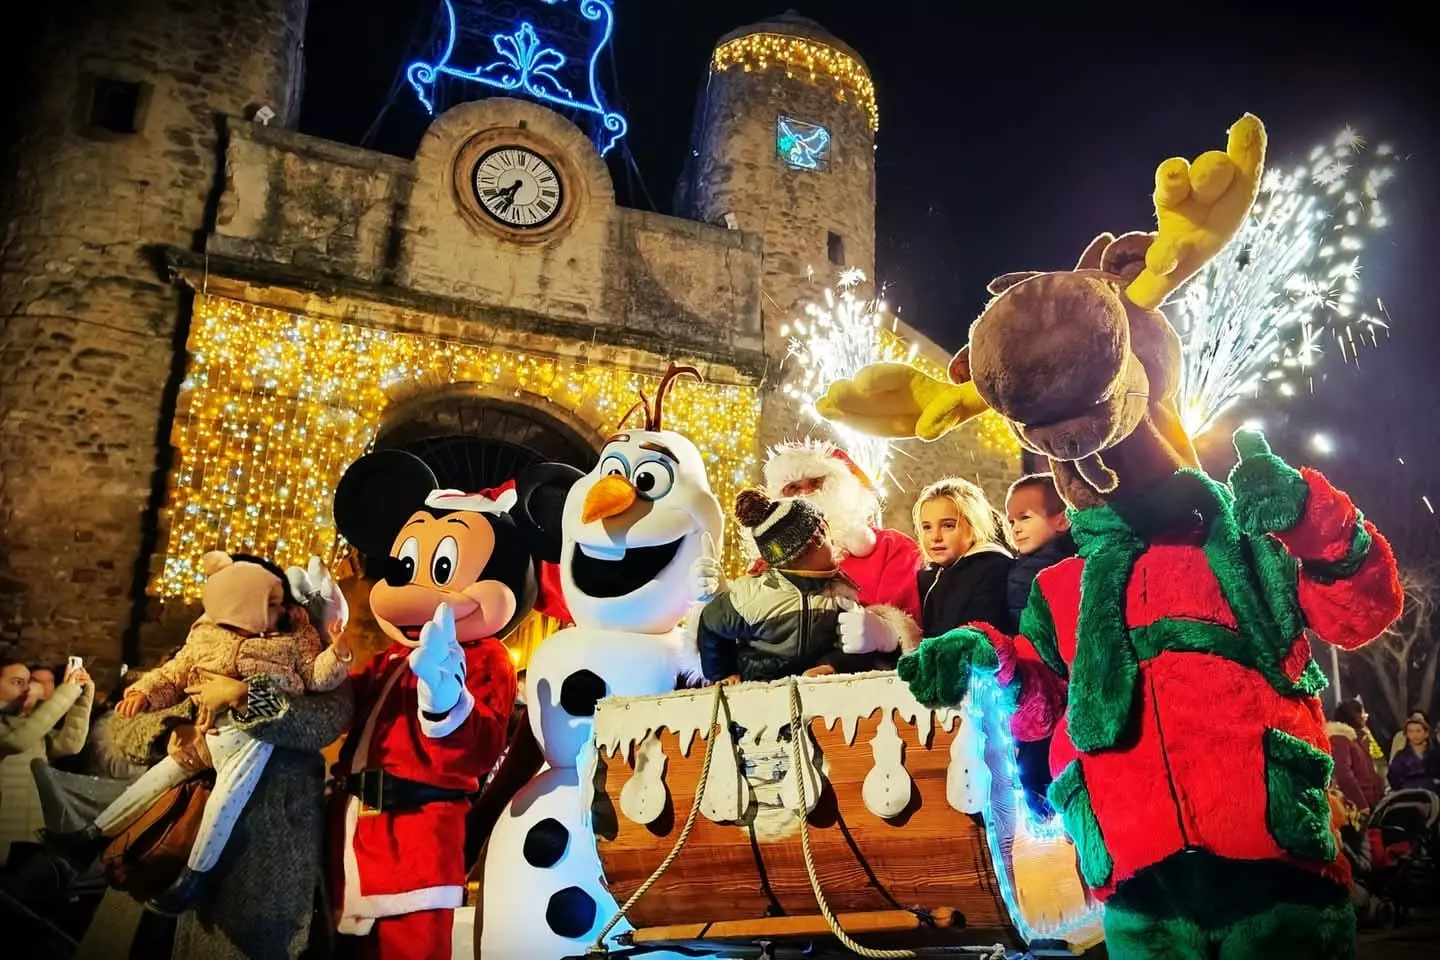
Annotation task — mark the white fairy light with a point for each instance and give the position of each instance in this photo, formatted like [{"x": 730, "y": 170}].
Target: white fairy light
[
  {"x": 833, "y": 341},
  {"x": 1262, "y": 310}
]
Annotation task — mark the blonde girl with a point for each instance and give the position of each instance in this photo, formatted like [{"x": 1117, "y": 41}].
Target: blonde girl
[{"x": 968, "y": 565}]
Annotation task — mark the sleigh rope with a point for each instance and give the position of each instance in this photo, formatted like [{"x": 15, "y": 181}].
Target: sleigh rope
[{"x": 992, "y": 952}]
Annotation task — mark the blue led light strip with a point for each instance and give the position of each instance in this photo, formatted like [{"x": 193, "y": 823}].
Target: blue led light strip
[
  {"x": 1005, "y": 797},
  {"x": 527, "y": 66}
]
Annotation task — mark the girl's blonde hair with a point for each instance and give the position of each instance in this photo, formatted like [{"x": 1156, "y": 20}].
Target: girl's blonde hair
[{"x": 985, "y": 522}]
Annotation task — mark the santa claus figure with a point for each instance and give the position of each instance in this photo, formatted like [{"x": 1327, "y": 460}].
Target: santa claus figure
[{"x": 882, "y": 563}]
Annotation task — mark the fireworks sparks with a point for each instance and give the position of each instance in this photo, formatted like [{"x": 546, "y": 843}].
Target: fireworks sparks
[
  {"x": 1259, "y": 314},
  {"x": 837, "y": 337}
]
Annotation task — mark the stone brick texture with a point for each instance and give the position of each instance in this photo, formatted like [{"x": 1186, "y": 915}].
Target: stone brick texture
[
  {"x": 88, "y": 345},
  {"x": 733, "y": 168}
]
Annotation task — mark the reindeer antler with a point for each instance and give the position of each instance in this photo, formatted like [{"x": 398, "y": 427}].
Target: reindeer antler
[{"x": 1198, "y": 208}]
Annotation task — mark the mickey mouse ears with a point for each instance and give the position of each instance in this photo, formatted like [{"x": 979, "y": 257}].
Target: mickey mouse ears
[{"x": 377, "y": 494}]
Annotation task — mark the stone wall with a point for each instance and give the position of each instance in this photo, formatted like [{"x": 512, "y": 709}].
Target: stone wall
[
  {"x": 88, "y": 343},
  {"x": 328, "y": 210},
  {"x": 734, "y": 169}
]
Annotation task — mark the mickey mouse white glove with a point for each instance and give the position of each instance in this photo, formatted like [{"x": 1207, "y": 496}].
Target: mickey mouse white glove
[
  {"x": 707, "y": 577},
  {"x": 864, "y": 632},
  {"x": 317, "y": 590},
  {"x": 438, "y": 663}
]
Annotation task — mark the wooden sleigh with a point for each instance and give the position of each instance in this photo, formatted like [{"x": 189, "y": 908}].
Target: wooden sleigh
[{"x": 916, "y": 833}]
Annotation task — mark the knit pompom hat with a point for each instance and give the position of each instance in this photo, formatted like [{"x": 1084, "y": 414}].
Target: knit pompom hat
[{"x": 782, "y": 528}]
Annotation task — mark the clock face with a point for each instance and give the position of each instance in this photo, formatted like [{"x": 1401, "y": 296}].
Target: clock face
[{"x": 518, "y": 187}]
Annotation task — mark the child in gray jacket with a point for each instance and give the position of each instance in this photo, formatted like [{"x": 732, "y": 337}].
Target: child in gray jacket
[{"x": 785, "y": 620}]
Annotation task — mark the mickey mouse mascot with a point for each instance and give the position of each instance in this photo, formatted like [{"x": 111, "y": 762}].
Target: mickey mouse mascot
[{"x": 431, "y": 711}]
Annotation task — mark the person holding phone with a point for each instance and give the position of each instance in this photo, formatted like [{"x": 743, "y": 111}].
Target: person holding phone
[{"x": 25, "y": 738}]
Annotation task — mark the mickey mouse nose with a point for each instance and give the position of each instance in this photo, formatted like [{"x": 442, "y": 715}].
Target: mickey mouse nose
[{"x": 610, "y": 497}]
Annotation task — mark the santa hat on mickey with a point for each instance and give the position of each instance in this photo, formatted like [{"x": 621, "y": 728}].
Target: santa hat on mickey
[
  {"x": 805, "y": 459},
  {"x": 548, "y": 598}
]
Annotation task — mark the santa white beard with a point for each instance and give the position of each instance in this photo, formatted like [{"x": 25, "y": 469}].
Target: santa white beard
[{"x": 849, "y": 510}]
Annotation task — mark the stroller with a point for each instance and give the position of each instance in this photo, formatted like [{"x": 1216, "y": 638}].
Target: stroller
[{"x": 1394, "y": 855}]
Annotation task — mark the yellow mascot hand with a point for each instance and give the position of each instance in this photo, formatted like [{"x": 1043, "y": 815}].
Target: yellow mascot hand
[
  {"x": 897, "y": 400},
  {"x": 1198, "y": 207}
]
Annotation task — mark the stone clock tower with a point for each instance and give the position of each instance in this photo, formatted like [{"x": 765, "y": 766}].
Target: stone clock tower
[{"x": 784, "y": 146}]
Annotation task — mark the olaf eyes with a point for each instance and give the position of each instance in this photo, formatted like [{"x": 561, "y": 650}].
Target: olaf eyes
[
  {"x": 653, "y": 479},
  {"x": 614, "y": 466}
]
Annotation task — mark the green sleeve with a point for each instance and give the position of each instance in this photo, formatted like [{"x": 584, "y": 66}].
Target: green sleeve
[{"x": 1038, "y": 626}]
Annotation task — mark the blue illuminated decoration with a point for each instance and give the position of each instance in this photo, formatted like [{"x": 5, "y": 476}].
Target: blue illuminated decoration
[
  {"x": 526, "y": 64},
  {"x": 1006, "y": 813},
  {"x": 804, "y": 146}
]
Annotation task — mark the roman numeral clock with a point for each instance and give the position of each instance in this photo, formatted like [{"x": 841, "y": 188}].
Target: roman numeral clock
[
  {"x": 514, "y": 182},
  {"x": 518, "y": 187}
]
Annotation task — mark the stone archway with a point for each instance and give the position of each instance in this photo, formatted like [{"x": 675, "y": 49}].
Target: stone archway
[{"x": 474, "y": 437}]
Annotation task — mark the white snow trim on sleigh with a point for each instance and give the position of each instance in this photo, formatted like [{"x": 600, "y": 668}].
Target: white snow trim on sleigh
[
  {"x": 443, "y": 726},
  {"x": 359, "y": 912},
  {"x": 761, "y": 710}
]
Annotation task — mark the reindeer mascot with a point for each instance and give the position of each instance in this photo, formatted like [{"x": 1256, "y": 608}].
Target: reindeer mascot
[{"x": 1169, "y": 659}]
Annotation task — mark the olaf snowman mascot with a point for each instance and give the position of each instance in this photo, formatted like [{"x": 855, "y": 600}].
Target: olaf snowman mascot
[{"x": 633, "y": 529}]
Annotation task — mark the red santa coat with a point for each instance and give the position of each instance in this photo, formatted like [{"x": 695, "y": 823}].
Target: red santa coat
[
  {"x": 403, "y": 861},
  {"x": 886, "y": 575}
]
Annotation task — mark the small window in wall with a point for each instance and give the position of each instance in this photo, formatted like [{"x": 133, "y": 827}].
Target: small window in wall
[
  {"x": 835, "y": 247},
  {"x": 803, "y": 146},
  {"x": 114, "y": 105}
]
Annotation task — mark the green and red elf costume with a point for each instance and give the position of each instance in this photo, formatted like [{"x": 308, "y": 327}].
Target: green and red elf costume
[{"x": 1170, "y": 662}]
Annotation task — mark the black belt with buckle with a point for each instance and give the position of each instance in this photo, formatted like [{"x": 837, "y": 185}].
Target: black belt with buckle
[{"x": 379, "y": 791}]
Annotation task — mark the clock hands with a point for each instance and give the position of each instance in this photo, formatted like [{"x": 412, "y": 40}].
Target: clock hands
[{"x": 506, "y": 195}]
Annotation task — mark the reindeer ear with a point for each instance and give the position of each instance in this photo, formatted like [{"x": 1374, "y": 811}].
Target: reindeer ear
[
  {"x": 1007, "y": 280},
  {"x": 960, "y": 366},
  {"x": 1090, "y": 259},
  {"x": 1125, "y": 257}
]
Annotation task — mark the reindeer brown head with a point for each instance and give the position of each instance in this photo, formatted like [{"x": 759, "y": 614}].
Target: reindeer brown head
[
  {"x": 1081, "y": 362},
  {"x": 1084, "y": 375}
]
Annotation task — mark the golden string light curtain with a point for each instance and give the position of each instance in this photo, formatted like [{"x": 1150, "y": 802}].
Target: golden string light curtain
[{"x": 276, "y": 405}]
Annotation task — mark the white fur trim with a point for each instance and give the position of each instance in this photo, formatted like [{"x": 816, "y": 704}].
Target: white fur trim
[
  {"x": 799, "y": 460},
  {"x": 359, "y": 912},
  {"x": 902, "y": 623},
  {"x": 473, "y": 502},
  {"x": 685, "y": 640},
  {"x": 448, "y": 724}
]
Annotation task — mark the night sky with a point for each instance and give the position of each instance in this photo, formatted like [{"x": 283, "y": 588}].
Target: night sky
[{"x": 1007, "y": 141}]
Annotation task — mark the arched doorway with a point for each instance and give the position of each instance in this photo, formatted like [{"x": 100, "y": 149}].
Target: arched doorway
[{"x": 474, "y": 438}]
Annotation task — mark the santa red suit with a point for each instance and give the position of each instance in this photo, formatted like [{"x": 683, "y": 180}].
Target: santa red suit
[
  {"x": 402, "y": 872},
  {"x": 883, "y": 563}
]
